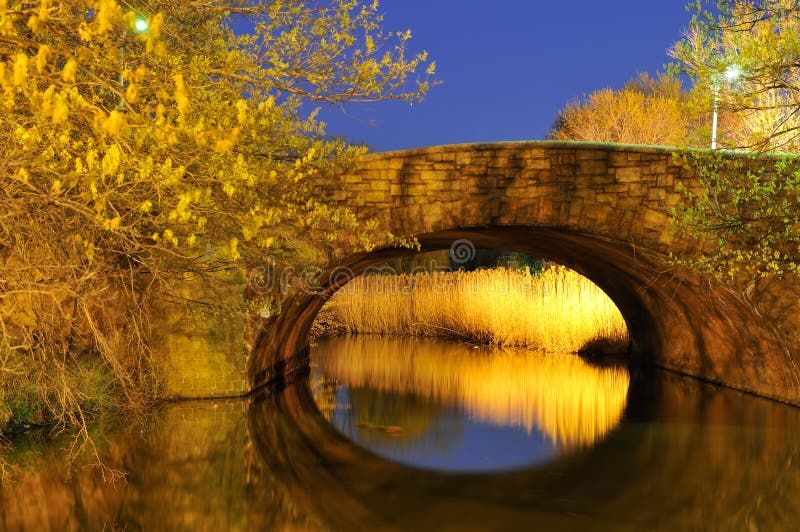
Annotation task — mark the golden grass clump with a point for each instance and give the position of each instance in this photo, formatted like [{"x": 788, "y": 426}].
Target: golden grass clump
[
  {"x": 562, "y": 396},
  {"x": 558, "y": 310}
]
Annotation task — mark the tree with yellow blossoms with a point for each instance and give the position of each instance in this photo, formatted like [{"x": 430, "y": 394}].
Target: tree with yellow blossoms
[
  {"x": 645, "y": 111},
  {"x": 146, "y": 143}
]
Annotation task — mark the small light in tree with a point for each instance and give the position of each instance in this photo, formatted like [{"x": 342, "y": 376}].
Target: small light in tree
[
  {"x": 140, "y": 25},
  {"x": 732, "y": 73}
]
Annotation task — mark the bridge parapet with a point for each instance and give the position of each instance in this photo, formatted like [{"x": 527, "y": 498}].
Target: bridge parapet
[{"x": 619, "y": 191}]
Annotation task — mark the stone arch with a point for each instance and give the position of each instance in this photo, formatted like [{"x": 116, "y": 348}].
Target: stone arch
[{"x": 602, "y": 210}]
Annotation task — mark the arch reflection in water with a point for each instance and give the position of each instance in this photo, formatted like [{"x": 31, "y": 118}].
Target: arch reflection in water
[{"x": 450, "y": 405}]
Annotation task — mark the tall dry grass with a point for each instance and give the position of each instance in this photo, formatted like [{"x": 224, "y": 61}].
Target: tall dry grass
[
  {"x": 558, "y": 310},
  {"x": 562, "y": 396}
]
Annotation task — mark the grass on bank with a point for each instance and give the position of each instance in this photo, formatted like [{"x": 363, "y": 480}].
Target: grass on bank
[{"x": 558, "y": 310}]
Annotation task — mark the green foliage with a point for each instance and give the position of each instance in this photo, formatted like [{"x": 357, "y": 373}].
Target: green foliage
[{"x": 746, "y": 213}]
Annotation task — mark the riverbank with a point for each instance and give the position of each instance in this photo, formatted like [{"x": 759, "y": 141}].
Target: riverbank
[{"x": 557, "y": 310}]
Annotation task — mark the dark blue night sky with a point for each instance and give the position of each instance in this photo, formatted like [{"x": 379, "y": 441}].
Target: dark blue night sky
[{"x": 508, "y": 66}]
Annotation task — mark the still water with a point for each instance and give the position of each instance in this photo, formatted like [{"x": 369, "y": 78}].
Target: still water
[
  {"x": 428, "y": 436},
  {"x": 456, "y": 407}
]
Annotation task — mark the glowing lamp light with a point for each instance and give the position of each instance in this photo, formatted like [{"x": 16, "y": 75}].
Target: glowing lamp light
[
  {"x": 732, "y": 73},
  {"x": 140, "y": 25}
]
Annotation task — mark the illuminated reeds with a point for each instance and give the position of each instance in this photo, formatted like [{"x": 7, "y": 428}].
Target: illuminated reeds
[
  {"x": 558, "y": 310},
  {"x": 571, "y": 402}
]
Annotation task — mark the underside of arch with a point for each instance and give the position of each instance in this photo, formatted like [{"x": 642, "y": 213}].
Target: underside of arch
[{"x": 676, "y": 320}]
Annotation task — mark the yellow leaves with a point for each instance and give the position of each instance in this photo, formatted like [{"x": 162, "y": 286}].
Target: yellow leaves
[
  {"x": 33, "y": 23},
  {"x": 42, "y": 57},
  {"x": 54, "y": 106},
  {"x": 139, "y": 74},
  {"x": 91, "y": 160},
  {"x": 431, "y": 70},
  {"x": 132, "y": 93},
  {"x": 223, "y": 146},
  {"x": 161, "y": 112},
  {"x": 68, "y": 73},
  {"x": 85, "y": 32},
  {"x": 243, "y": 115},
  {"x": 112, "y": 125},
  {"x": 20, "y": 75},
  {"x": 44, "y": 10},
  {"x": 159, "y": 49},
  {"x": 233, "y": 249},
  {"x": 156, "y": 23},
  {"x": 111, "y": 160},
  {"x": 146, "y": 167},
  {"x": 181, "y": 99},
  {"x": 206, "y": 109},
  {"x": 23, "y": 175},
  {"x": 266, "y": 105},
  {"x": 170, "y": 237},
  {"x": 183, "y": 211},
  {"x": 171, "y": 176},
  {"x": 112, "y": 224},
  {"x": 90, "y": 251},
  {"x": 108, "y": 14},
  {"x": 60, "y": 109}
]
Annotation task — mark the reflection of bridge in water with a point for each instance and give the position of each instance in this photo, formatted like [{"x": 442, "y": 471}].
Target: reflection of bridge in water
[
  {"x": 687, "y": 456},
  {"x": 602, "y": 210},
  {"x": 563, "y": 397}
]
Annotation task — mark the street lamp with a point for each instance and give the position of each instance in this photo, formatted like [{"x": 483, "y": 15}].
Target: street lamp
[{"x": 731, "y": 74}]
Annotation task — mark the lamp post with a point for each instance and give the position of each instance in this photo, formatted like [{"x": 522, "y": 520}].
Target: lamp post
[
  {"x": 731, "y": 74},
  {"x": 140, "y": 25}
]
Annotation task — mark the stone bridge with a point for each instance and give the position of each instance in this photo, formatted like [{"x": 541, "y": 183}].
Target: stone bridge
[{"x": 602, "y": 210}]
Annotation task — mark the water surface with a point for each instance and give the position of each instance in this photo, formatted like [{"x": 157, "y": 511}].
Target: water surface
[
  {"x": 459, "y": 407},
  {"x": 678, "y": 455}
]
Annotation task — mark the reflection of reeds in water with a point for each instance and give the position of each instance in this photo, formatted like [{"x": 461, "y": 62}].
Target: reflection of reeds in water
[
  {"x": 562, "y": 396},
  {"x": 559, "y": 310}
]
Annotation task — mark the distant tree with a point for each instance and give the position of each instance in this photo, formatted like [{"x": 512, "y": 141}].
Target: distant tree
[{"x": 645, "y": 111}]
